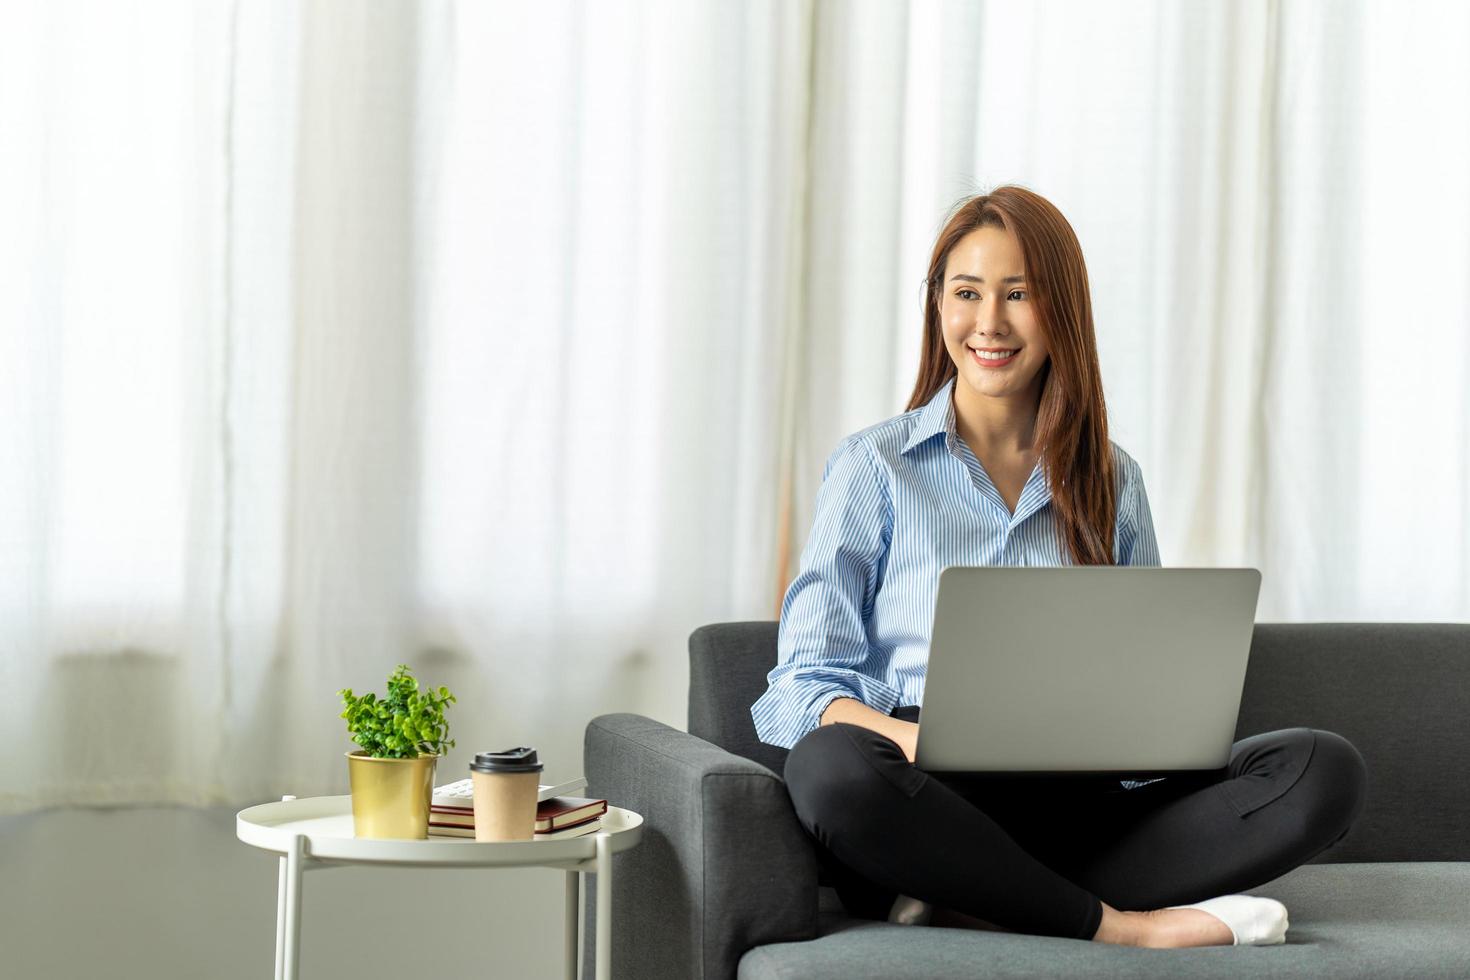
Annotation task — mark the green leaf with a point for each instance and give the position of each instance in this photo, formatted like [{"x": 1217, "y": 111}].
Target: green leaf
[{"x": 403, "y": 725}]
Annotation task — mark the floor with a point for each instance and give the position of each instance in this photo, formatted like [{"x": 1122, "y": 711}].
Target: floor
[{"x": 170, "y": 892}]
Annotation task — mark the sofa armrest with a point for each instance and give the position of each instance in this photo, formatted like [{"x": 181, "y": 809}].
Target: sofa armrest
[{"x": 722, "y": 866}]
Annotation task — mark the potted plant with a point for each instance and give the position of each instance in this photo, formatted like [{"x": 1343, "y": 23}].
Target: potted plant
[{"x": 402, "y": 738}]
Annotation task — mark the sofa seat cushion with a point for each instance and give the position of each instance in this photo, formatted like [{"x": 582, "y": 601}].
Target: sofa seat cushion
[{"x": 1347, "y": 920}]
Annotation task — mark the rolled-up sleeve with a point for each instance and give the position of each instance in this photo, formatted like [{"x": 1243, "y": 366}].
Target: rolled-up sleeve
[
  {"x": 1135, "y": 529},
  {"x": 822, "y": 643}
]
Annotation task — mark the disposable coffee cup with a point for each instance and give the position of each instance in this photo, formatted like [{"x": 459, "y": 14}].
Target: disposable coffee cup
[{"x": 506, "y": 785}]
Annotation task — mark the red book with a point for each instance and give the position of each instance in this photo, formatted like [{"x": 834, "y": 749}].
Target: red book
[
  {"x": 589, "y": 826},
  {"x": 552, "y": 814},
  {"x": 564, "y": 811}
]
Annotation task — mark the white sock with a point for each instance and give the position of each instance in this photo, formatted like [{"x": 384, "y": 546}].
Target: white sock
[
  {"x": 910, "y": 911},
  {"x": 1252, "y": 921}
]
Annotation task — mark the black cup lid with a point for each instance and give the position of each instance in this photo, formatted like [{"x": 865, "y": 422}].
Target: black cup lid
[{"x": 519, "y": 759}]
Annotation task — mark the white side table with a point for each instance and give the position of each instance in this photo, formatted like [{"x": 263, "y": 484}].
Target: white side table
[{"x": 316, "y": 832}]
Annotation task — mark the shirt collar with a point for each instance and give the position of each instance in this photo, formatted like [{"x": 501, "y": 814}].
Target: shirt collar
[{"x": 937, "y": 416}]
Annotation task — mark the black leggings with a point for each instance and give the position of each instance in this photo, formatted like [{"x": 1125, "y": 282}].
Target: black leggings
[{"x": 1036, "y": 854}]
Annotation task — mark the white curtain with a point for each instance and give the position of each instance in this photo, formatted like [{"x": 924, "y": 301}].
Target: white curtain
[
  {"x": 1274, "y": 206},
  {"x": 507, "y": 341}
]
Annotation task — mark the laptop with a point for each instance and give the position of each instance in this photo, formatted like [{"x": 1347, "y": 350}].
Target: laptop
[{"x": 1132, "y": 671}]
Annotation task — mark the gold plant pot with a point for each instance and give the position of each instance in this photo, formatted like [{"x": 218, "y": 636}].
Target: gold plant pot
[{"x": 391, "y": 797}]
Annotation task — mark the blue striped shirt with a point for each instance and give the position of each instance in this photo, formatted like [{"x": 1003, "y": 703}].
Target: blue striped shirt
[{"x": 899, "y": 502}]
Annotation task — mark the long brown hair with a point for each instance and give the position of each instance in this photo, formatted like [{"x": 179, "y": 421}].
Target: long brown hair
[{"x": 1072, "y": 419}]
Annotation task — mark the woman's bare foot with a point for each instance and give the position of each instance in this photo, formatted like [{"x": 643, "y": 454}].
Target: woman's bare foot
[{"x": 1162, "y": 928}]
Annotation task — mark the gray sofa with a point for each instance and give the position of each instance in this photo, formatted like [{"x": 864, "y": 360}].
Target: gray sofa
[{"x": 725, "y": 881}]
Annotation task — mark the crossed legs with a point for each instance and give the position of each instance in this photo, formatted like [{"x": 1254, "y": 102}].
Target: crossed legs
[{"x": 1041, "y": 855}]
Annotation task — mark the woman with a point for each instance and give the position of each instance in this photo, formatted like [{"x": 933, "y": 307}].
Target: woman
[{"x": 1003, "y": 458}]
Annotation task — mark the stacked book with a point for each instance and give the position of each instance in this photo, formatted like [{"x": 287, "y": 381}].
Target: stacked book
[{"x": 558, "y": 816}]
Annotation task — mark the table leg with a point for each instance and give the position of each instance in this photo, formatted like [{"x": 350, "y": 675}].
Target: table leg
[
  {"x": 573, "y": 878},
  {"x": 281, "y": 915},
  {"x": 604, "y": 907},
  {"x": 295, "y": 858},
  {"x": 281, "y": 922}
]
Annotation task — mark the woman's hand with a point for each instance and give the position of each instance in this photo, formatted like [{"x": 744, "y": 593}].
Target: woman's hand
[
  {"x": 908, "y": 739},
  {"x": 904, "y": 734}
]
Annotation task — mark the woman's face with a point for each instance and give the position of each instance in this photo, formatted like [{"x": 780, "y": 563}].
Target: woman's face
[{"x": 985, "y": 304}]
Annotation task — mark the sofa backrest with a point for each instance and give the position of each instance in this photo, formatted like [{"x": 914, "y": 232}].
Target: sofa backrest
[{"x": 1400, "y": 692}]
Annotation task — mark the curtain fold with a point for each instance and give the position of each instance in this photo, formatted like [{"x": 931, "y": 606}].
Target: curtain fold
[{"x": 509, "y": 342}]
